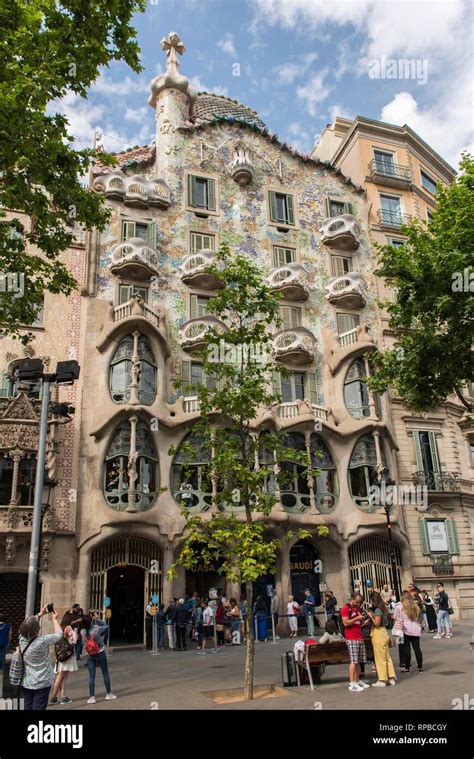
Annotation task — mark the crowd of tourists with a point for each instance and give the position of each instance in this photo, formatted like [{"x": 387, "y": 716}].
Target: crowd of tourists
[{"x": 211, "y": 624}]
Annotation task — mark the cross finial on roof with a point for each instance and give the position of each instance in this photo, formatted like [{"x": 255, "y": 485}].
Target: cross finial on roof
[{"x": 173, "y": 45}]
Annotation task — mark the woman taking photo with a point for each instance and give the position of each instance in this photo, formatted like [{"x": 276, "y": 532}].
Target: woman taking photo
[
  {"x": 380, "y": 617},
  {"x": 408, "y": 619},
  {"x": 38, "y": 673}
]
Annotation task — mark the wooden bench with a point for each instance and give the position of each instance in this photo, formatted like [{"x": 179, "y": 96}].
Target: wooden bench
[{"x": 320, "y": 655}]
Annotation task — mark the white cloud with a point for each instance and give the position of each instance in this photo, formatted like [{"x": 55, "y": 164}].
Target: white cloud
[
  {"x": 288, "y": 72},
  {"x": 137, "y": 114},
  {"x": 299, "y": 136},
  {"x": 445, "y": 126},
  {"x": 314, "y": 91},
  {"x": 199, "y": 86},
  {"x": 103, "y": 85},
  {"x": 227, "y": 44}
]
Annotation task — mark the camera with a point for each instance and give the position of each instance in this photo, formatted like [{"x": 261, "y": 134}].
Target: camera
[{"x": 50, "y": 608}]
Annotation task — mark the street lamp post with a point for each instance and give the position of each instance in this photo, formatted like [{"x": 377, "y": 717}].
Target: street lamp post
[
  {"x": 387, "y": 508},
  {"x": 66, "y": 373}
]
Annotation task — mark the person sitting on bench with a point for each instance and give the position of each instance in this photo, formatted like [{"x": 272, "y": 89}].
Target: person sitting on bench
[{"x": 331, "y": 634}]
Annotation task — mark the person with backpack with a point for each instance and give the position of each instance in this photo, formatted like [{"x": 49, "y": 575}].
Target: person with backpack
[
  {"x": 93, "y": 634},
  {"x": 65, "y": 650},
  {"x": 380, "y": 637},
  {"x": 30, "y": 666}
]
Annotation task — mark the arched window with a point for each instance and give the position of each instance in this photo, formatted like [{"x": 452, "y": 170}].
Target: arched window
[
  {"x": 356, "y": 396},
  {"x": 121, "y": 370},
  {"x": 191, "y": 478},
  {"x": 363, "y": 472},
  {"x": 326, "y": 484},
  {"x": 116, "y": 476},
  {"x": 293, "y": 479}
]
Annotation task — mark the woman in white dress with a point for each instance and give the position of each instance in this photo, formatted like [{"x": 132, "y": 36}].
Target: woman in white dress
[{"x": 63, "y": 668}]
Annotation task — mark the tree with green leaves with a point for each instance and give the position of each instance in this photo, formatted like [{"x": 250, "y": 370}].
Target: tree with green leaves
[
  {"x": 47, "y": 49},
  {"x": 248, "y": 461},
  {"x": 432, "y": 315}
]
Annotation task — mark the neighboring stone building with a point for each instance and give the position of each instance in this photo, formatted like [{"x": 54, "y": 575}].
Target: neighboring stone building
[
  {"x": 56, "y": 337},
  {"x": 216, "y": 174},
  {"x": 400, "y": 172}
]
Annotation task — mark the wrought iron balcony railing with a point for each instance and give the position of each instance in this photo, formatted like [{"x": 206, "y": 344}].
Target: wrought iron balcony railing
[
  {"x": 442, "y": 564},
  {"x": 393, "y": 170},
  {"x": 392, "y": 218},
  {"x": 443, "y": 482}
]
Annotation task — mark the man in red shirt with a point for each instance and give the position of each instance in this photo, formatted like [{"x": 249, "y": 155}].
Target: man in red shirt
[{"x": 352, "y": 619}]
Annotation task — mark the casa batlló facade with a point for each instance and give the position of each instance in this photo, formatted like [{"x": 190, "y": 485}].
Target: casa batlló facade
[{"x": 217, "y": 175}]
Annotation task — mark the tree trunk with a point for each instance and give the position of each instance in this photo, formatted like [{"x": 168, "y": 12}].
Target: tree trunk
[{"x": 250, "y": 651}]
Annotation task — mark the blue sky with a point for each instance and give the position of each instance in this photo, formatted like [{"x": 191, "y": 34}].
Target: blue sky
[{"x": 301, "y": 63}]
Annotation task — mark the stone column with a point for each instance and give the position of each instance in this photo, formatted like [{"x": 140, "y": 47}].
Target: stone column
[
  {"x": 132, "y": 466},
  {"x": 134, "y": 371},
  {"x": 16, "y": 456},
  {"x": 372, "y": 407},
  {"x": 283, "y": 582},
  {"x": 82, "y": 581},
  {"x": 311, "y": 481}
]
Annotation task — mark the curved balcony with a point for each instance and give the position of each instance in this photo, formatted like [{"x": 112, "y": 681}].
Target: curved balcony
[
  {"x": 134, "y": 258},
  {"x": 340, "y": 232},
  {"x": 291, "y": 281},
  {"x": 194, "y": 272},
  {"x": 346, "y": 291},
  {"x": 242, "y": 166},
  {"x": 192, "y": 334},
  {"x": 136, "y": 191},
  {"x": 294, "y": 346}
]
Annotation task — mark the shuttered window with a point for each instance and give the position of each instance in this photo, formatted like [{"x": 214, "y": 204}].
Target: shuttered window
[
  {"x": 451, "y": 536},
  {"x": 338, "y": 207},
  {"x": 282, "y": 256},
  {"x": 340, "y": 265},
  {"x": 281, "y": 208},
  {"x": 297, "y": 386},
  {"x": 201, "y": 193},
  {"x": 193, "y": 376},
  {"x": 426, "y": 452},
  {"x": 143, "y": 230},
  {"x": 198, "y": 306},
  {"x": 126, "y": 292},
  {"x": 290, "y": 317},
  {"x": 201, "y": 241}
]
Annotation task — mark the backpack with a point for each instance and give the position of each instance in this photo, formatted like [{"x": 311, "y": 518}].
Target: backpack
[
  {"x": 64, "y": 650},
  {"x": 91, "y": 646},
  {"x": 4, "y": 635},
  {"x": 17, "y": 665}
]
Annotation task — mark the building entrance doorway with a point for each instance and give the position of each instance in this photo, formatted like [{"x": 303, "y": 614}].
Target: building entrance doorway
[
  {"x": 127, "y": 570},
  {"x": 125, "y": 588},
  {"x": 371, "y": 564}
]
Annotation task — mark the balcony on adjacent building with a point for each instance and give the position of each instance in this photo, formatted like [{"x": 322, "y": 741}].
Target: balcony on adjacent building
[
  {"x": 346, "y": 291},
  {"x": 134, "y": 258},
  {"x": 390, "y": 174},
  {"x": 392, "y": 219},
  {"x": 340, "y": 232},
  {"x": 294, "y": 346},
  {"x": 440, "y": 482},
  {"x": 194, "y": 272},
  {"x": 192, "y": 334},
  {"x": 290, "y": 280}
]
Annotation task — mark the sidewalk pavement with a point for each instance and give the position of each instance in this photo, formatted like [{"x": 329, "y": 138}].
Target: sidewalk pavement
[{"x": 180, "y": 679}]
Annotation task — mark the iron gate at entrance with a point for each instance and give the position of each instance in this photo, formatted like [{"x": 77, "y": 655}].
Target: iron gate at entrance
[
  {"x": 128, "y": 571},
  {"x": 369, "y": 559}
]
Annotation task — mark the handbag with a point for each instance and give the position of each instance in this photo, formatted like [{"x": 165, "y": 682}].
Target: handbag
[
  {"x": 17, "y": 665},
  {"x": 450, "y": 610}
]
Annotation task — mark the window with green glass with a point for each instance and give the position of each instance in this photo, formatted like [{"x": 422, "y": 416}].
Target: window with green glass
[{"x": 201, "y": 193}]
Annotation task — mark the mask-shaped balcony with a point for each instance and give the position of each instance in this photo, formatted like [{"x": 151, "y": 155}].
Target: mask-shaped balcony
[
  {"x": 192, "y": 334},
  {"x": 194, "y": 274},
  {"x": 242, "y": 166},
  {"x": 134, "y": 258},
  {"x": 294, "y": 346},
  {"x": 291, "y": 281},
  {"x": 340, "y": 232},
  {"x": 346, "y": 291},
  {"x": 136, "y": 191}
]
